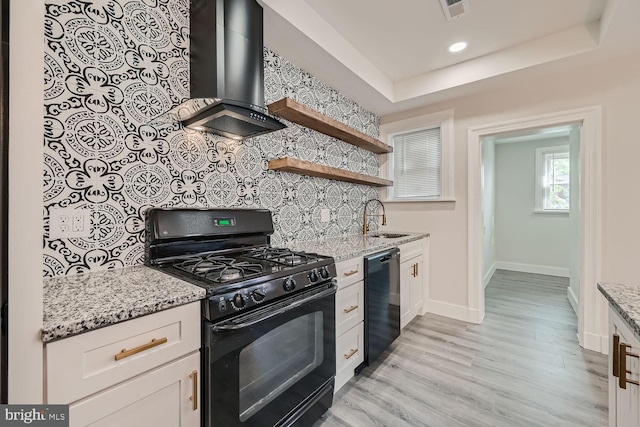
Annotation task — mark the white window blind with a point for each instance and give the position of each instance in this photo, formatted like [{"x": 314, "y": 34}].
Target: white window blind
[{"x": 417, "y": 164}]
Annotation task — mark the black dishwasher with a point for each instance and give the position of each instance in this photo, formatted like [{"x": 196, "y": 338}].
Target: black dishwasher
[{"x": 382, "y": 303}]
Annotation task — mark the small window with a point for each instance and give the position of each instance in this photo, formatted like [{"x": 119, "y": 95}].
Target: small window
[
  {"x": 421, "y": 163},
  {"x": 552, "y": 179},
  {"x": 417, "y": 159}
]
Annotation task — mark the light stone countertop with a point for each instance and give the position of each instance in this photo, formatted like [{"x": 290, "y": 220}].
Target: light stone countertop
[
  {"x": 83, "y": 302},
  {"x": 625, "y": 299},
  {"x": 342, "y": 248},
  {"x": 80, "y": 303}
]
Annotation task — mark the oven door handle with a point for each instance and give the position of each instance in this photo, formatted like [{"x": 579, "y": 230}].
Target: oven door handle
[{"x": 230, "y": 326}]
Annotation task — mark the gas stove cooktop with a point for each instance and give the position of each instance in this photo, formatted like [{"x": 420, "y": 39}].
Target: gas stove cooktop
[
  {"x": 216, "y": 271},
  {"x": 227, "y": 252},
  {"x": 242, "y": 281}
]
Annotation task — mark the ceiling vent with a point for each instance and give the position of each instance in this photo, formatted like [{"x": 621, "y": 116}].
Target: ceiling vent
[{"x": 454, "y": 8}]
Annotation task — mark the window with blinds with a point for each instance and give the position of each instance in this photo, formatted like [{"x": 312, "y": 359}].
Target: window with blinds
[{"x": 417, "y": 164}]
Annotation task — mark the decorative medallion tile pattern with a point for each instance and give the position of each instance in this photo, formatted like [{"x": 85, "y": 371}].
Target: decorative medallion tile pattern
[{"x": 110, "y": 66}]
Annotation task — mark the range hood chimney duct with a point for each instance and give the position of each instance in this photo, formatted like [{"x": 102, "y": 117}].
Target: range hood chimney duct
[{"x": 227, "y": 71}]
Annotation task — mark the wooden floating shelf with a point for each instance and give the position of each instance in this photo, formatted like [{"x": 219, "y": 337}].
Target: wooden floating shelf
[
  {"x": 302, "y": 167},
  {"x": 305, "y": 116}
]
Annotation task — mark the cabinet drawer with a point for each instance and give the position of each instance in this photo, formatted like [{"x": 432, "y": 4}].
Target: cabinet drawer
[
  {"x": 162, "y": 397},
  {"x": 411, "y": 250},
  {"x": 349, "y": 354},
  {"x": 349, "y": 307},
  {"x": 350, "y": 271},
  {"x": 84, "y": 364}
]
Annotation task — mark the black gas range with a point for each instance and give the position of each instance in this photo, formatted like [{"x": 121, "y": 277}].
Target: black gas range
[
  {"x": 268, "y": 352},
  {"x": 227, "y": 252}
]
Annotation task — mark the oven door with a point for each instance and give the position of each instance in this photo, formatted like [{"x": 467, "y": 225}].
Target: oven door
[{"x": 269, "y": 366}]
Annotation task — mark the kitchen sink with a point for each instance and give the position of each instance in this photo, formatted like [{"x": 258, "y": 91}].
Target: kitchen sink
[{"x": 389, "y": 235}]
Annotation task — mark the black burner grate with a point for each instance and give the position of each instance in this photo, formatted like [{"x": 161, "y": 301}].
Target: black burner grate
[
  {"x": 282, "y": 256},
  {"x": 219, "y": 269}
]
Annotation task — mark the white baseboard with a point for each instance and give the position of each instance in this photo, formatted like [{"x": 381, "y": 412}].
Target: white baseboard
[
  {"x": 572, "y": 300},
  {"x": 489, "y": 275},
  {"x": 453, "y": 311},
  {"x": 531, "y": 268},
  {"x": 474, "y": 316},
  {"x": 593, "y": 342},
  {"x": 604, "y": 349}
]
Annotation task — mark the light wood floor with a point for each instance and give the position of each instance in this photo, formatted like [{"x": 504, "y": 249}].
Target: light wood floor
[{"x": 521, "y": 367}]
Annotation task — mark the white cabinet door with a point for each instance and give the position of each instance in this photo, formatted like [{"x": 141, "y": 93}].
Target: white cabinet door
[
  {"x": 349, "y": 307},
  {"x": 349, "y": 271},
  {"x": 624, "y": 403},
  {"x": 349, "y": 329},
  {"x": 407, "y": 310},
  {"x": 349, "y": 354},
  {"x": 162, "y": 397},
  {"x": 412, "y": 275},
  {"x": 412, "y": 280},
  {"x": 417, "y": 286}
]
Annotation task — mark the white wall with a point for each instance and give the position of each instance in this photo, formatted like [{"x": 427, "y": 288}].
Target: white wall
[
  {"x": 488, "y": 208},
  {"x": 527, "y": 240},
  {"x": 616, "y": 86}
]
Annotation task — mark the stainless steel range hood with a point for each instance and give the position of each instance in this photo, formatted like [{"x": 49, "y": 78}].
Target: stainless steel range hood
[{"x": 227, "y": 72}]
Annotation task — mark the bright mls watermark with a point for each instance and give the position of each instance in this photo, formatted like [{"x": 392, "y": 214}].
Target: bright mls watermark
[{"x": 35, "y": 415}]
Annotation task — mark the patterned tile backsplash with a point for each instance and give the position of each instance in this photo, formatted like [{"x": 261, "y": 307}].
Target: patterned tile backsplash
[{"x": 113, "y": 65}]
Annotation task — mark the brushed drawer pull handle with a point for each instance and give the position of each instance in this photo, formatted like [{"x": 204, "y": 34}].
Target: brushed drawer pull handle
[
  {"x": 350, "y": 309},
  {"x": 416, "y": 269},
  {"x": 351, "y": 273},
  {"x": 194, "y": 396},
  {"x": 623, "y": 380},
  {"x": 616, "y": 355},
  {"x": 351, "y": 353},
  {"x": 126, "y": 353}
]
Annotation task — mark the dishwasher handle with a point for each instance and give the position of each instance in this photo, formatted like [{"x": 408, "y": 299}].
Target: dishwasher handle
[
  {"x": 383, "y": 257},
  {"x": 377, "y": 262}
]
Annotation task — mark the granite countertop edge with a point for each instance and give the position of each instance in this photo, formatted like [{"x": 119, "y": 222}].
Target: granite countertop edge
[
  {"x": 56, "y": 331},
  {"x": 625, "y": 299}
]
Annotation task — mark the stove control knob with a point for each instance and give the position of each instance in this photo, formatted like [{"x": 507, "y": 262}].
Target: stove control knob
[
  {"x": 313, "y": 276},
  {"x": 238, "y": 301},
  {"x": 324, "y": 273},
  {"x": 289, "y": 284},
  {"x": 258, "y": 295}
]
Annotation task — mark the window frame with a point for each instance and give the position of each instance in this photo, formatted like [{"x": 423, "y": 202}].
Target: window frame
[
  {"x": 540, "y": 154},
  {"x": 443, "y": 120}
]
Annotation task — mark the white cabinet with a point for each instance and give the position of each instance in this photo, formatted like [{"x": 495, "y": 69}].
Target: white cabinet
[
  {"x": 141, "y": 372},
  {"x": 624, "y": 373},
  {"x": 349, "y": 319},
  {"x": 412, "y": 281},
  {"x": 162, "y": 397},
  {"x": 350, "y": 304}
]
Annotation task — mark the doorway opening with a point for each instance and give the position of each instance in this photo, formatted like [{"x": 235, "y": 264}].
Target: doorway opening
[
  {"x": 530, "y": 209},
  {"x": 591, "y": 310}
]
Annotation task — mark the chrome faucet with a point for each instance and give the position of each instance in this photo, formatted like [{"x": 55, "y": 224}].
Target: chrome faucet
[{"x": 365, "y": 226}]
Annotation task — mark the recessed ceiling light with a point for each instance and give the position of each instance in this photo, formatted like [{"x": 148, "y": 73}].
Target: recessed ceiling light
[{"x": 457, "y": 47}]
